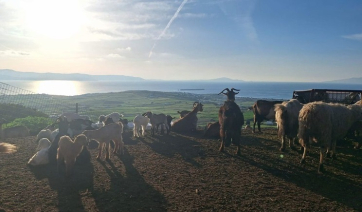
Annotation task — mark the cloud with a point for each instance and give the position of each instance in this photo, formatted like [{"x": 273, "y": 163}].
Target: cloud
[
  {"x": 115, "y": 56},
  {"x": 13, "y": 53},
  {"x": 128, "y": 49},
  {"x": 354, "y": 37}
]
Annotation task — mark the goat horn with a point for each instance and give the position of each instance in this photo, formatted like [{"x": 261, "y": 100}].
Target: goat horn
[
  {"x": 233, "y": 89},
  {"x": 224, "y": 90}
]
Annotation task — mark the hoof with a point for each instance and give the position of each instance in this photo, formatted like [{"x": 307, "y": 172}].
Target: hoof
[
  {"x": 302, "y": 161},
  {"x": 321, "y": 169}
]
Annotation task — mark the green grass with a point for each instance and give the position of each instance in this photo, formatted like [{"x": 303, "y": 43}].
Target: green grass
[{"x": 131, "y": 103}]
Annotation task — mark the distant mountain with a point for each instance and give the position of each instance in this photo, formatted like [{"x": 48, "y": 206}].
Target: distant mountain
[
  {"x": 7, "y": 74},
  {"x": 355, "y": 80},
  {"x": 224, "y": 79}
]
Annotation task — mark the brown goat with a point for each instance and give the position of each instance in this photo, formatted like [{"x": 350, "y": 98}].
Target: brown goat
[
  {"x": 104, "y": 134},
  {"x": 262, "y": 110},
  {"x": 189, "y": 122},
  {"x": 183, "y": 113},
  {"x": 68, "y": 151},
  {"x": 231, "y": 119},
  {"x": 212, "y": 130}
]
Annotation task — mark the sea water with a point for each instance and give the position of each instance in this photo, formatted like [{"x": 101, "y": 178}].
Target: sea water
[{"x": 269, "y": 90}]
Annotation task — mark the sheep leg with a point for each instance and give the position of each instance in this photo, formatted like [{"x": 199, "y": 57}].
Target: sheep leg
[
  {"x": 322, "y": 152},
  {"x": 135, "y": 131},
  {"x": 222, "y": 146},
  {"x": 60, "y": 159},
  {"x": 143, "y": 130},
  {"x": 121, "y": 146},
  {"x": 302, "y": 161},
  {"x": 254, "y": 124},
  {"x": 282, "y": 148},
  {"x": 108, "y": 147},
  {"x": 100, "y": 150},
  {"x": 259, "y": 125},
  {"x": 69, "y": 167}
]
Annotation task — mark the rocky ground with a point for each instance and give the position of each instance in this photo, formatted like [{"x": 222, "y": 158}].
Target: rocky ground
[{"x": 185, "y": 173}]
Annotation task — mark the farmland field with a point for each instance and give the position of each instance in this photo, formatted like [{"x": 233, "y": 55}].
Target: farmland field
[{"x": 185, "y": 173}]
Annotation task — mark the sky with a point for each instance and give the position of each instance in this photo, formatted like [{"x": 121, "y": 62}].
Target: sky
[{"x": 251, "y": 40}]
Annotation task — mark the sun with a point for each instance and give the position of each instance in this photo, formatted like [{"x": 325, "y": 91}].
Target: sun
[{"x": 59, "y": 19}]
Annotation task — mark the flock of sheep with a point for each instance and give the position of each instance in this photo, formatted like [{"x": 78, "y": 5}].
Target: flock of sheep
[{"x": 317, "y": 122}]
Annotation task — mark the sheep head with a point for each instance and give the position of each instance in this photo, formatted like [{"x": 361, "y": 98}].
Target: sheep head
[{"x": 229, "y": 93}]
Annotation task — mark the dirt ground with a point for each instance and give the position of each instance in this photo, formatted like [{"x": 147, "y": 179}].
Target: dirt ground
[{"x": 185, "y": 173}]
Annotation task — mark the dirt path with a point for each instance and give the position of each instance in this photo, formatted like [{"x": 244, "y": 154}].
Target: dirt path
[{"x": 185, "y": 173}]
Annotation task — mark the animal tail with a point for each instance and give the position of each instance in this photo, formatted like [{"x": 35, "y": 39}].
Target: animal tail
[
  {"x": 7, "y": 148},
  {"x": 281, "y": 117}
]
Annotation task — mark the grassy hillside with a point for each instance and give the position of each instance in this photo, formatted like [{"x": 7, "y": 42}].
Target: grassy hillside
[{"x": 131, "y": 103}]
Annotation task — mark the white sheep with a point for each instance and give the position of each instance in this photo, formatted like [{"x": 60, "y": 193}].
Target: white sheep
[
  {"x": 98, "y": 125},
  {"x": 115, "y": 117},
  {"x": 140, "y": 122},
  {"x": 69, "y": 151},
  {"x": 286, "y": 117},
  {"x": 40, "y": 158},
  {"x": 43, "y": 143},
  {"x": 324, "y": 124},
  {"x": 56, "y": 131},
  {"x": 45, "y": 133},
  {"x": 104, "y": 134}
]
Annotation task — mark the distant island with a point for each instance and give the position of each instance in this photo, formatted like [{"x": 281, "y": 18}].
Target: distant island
[
  {"x": 354, "y": 80},
  {"x": 8, "y": 74}
]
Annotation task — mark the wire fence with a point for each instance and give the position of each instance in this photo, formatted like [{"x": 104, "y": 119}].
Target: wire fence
[{"x": 47, "y": 104}]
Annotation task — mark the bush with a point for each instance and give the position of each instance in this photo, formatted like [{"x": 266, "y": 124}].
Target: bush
[{"x": 34, "y": 124}]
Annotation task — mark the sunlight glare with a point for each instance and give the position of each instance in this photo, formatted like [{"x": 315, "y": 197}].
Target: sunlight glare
[
  {"x": 55, "y": 19},
  {"x": 57, "y": 87}
]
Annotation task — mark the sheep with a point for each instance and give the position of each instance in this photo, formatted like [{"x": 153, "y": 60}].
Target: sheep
[
  {"x": 231, "y": 119},
  {"x": 68, "y": 151},
  {"x": 63, "y": 130},
  {"x": 7, "y": 148},
  {"x": 115, "y": 117},
  {"x": 140, "y": 122},
  {"x": 183, "y": 113},
  {"x": 40, "y": 158},
  {"x": 212, "y": 130},
  {"x": 189, "y": 122},
  {"x": 98, "y": 124},
  {"x": 104, "y": 134},
  {"x": 156, "y": 119},
  {"x": 44, "y": 133},
  {"x": 43, "y": 143},
  {"x": 169, "y": 120},
  {"x": 263, "y": 109},
  {"x": 324, "y": 124},
  {"x": 286, "y": 116},
  {"x": 78, "y": 125}
]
